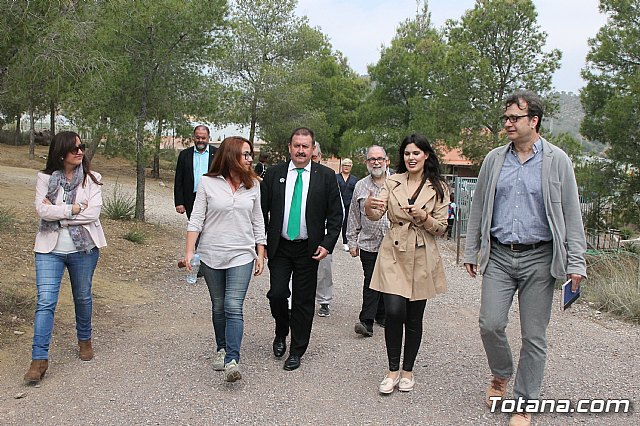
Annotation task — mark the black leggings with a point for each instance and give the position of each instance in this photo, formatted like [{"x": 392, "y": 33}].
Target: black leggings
[{"x": 402, "y": 314}]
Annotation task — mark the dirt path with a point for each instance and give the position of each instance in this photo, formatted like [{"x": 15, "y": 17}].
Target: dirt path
[{"x": 154, "y": 366}]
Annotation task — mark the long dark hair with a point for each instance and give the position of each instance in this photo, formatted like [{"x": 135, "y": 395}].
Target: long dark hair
[
  {"x": 61, "y": 144},
  {"x": 431, "y": 165},
  {"x": 228, "y": 159}
]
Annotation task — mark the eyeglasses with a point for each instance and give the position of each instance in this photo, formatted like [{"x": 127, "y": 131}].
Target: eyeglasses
[
  {"x": 78, "y": 148},
  {"x": 247, "y": 155},
  {"x": 376, "y": 160},
  {"x": 512, "y": 118}
]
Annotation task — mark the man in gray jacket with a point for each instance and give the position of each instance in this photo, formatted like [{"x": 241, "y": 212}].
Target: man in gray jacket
[{"x": 524, "y": 232}]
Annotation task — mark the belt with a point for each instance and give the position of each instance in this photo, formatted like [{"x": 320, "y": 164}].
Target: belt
[
  {"x": 299, "y": 240},
  {"x": 521, "y": 247}
]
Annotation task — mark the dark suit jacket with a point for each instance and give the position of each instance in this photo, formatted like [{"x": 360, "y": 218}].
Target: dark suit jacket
[
  {"x": 324, "y": 205},
  {"x": 183, "y": 185},
  {"x": 260, "y": 169}
]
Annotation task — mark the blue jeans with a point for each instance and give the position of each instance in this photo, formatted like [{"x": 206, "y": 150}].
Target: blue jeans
[
  {"x": 49, "y": 270},
  {"x": 227, "y": 289}
]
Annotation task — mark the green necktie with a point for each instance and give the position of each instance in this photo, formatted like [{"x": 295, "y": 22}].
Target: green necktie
[{"x": 293, "y": 227}]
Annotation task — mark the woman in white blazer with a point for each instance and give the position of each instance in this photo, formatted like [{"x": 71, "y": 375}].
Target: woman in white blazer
[{"x": 68, "y": 203}]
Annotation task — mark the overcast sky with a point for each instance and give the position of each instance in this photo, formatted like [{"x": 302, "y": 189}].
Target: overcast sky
[{"x": 358, "y": 28}]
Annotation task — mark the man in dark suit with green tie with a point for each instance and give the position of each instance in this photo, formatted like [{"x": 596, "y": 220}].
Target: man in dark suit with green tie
[{"x": 298, "y": 198}]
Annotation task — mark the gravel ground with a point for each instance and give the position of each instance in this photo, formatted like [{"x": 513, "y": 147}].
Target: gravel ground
[{"x": 155, "y": 366}]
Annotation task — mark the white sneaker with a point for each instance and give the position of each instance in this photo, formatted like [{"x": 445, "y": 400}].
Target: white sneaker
[
  {"x": 232, "y": 371},
  {"x": 345, "y": 247},
  {"x": 218, "y": 360}
]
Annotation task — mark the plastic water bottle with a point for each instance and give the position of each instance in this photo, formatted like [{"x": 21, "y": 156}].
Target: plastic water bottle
[{"x": 192, "y": 276}]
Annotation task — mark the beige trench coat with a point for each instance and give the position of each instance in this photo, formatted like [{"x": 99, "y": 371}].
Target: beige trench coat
[{"x": 409, "y": 262}]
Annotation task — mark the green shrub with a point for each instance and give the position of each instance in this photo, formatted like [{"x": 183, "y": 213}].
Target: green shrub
[
  {"x": 8, "y": 137},
  {"x": 135, "y": 236},
  {"x": 170, "y": 155},
  {"x": 119, "y": 205},
  {"x": 6, "y": 219},
  {"x": 614, "y": 283},
  {"x": 626, "y": 233}
]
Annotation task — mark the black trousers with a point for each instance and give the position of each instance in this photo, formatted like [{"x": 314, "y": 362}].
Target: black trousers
[
  {"x": 345, "y": 219},
  {"x": 449, "y": 227},
  {"x": 403, "y": 315},
  {"x": 292, "y": 261},
  {"x": 372, "y": 300},
  {"x": 188, "y": 210}
]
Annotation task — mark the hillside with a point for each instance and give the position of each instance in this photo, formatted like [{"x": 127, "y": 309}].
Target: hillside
[{"x": 568, "y": 119}]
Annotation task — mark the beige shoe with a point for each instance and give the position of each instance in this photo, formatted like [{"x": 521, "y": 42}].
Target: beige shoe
[
  {"x": 218, "y": 360},
  {"x": 497, "y": 388},
  {"x": 86, "y": 351},
  {"x": 520, "y": 419},
  {"x": 36, "y": 371},
  {"x": 406, "y": 384},
  {"x": 388, "y": 384},
  {"x": 232, "y": 371}
]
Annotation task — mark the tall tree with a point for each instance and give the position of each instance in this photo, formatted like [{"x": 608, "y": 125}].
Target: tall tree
[
  {"x": 406, "y": 87},
  {"x": 265, "y": 42},
  {"x": 159, "y": 50},
  {"x": 44, "y": 53},
  {"x": 611, "y": 99},
  {"x": 495, "y": 48},
  {"x": 321, "y": 92}
]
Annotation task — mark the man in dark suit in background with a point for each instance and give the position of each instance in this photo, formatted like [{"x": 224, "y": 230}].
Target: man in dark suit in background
[
  {"x": 261, "y": 167},
  {"x": 298, "y": 198},
  {"x": 192, "y": 163}
]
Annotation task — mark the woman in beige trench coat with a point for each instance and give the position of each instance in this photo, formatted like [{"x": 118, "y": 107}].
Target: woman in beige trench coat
[{"x": 409, "y": 269}]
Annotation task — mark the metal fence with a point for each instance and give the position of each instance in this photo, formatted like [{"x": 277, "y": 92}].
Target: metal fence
[
  {"x": 598, "y": 239},
  {"x": 597, "y": 214},
  {"x": 463, "y": 190}
]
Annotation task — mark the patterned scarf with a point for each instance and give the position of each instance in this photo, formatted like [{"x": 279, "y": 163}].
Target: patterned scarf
[{"x": 81, "y": 238}]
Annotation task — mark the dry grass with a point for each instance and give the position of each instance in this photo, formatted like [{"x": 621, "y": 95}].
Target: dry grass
[
  {"x": 614, "y": 284},
  {"x": 18, "y": 156},
  {"x": 6, "y": 218}
]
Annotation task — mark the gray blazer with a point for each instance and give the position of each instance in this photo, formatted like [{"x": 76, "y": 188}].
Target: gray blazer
[{"x": 561, "y": 202}]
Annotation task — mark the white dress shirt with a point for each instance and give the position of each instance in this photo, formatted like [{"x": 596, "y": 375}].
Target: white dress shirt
[{"x": 292, "y": 175}]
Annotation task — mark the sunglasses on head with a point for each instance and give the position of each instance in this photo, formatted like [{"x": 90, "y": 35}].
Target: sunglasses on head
[{"x": 82, "y": 147}]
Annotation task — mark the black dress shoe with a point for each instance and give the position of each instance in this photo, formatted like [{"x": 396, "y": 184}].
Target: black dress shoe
[
  {"x": 292, "y": 363},
  {"x": 279, "y": 346}
]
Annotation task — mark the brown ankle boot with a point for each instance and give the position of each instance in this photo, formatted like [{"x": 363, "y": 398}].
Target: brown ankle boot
[
  {"x": 86, "y": 351},
  {"x": 36, "y": 371}
]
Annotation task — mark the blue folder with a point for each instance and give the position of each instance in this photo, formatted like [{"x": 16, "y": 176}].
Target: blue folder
[{"x": 568, "y": 296}]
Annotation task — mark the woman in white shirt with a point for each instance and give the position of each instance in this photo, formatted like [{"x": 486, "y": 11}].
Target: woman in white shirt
[
  {"x": 68, "y": 202},
  {"x": 228, "y": 217}
]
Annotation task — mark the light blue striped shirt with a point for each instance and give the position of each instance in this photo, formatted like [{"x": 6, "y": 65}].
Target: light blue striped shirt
[
  {"x": 519, "y": 215},
  {"x": 200, "y": 165}
]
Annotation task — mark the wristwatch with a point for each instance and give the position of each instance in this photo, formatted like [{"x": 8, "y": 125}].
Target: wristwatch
[{"x": 81, "y": 208}]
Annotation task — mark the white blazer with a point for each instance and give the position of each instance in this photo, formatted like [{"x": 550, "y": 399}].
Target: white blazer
[{"x": 91, "y": 194}]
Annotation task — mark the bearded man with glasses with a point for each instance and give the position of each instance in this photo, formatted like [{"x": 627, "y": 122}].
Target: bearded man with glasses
[
  {"x": 364, "y": 237},
  {"x": 524, "y": 232}
]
